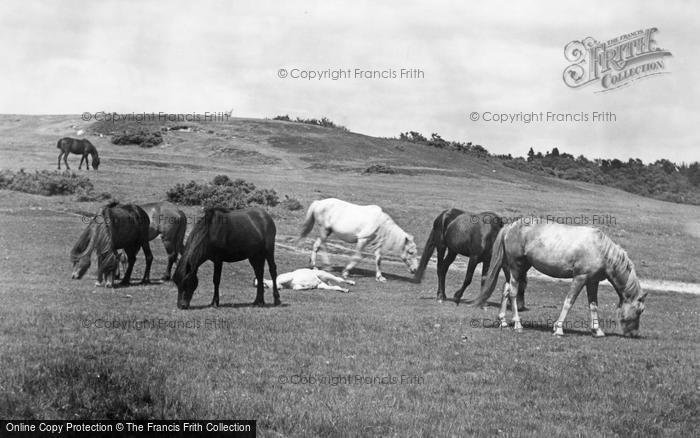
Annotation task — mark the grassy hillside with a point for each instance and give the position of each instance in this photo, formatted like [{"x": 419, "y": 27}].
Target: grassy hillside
[{"x": 309, "y": 162}]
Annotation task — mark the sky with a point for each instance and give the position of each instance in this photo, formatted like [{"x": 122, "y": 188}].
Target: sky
[{"x": 71, "y": 57}]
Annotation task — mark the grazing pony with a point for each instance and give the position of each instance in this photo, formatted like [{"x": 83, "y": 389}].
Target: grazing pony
[
  {"x": 78, "y": 146},
  {"x": 224, "y": 235},
  {"x": 584, "y": 254},
  {"x": 456, "y": 232},
  {"x": 170, "y": 223},
  {"x": 116, "y": 226},
  {"x": 304, "y": 279},
  {"x": 364, "y": 225}
]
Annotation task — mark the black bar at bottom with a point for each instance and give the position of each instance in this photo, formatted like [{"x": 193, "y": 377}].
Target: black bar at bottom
[{"x": 136, "y": 428}]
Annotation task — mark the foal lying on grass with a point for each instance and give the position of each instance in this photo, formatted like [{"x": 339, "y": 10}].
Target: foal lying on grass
[{"x": 305, "y": 278}]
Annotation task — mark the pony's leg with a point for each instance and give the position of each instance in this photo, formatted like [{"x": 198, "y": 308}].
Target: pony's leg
[
  {"x": 272, "y": 267},
  {"x": 65, "y": 160},
  {"x": 576, "y": 286},
  {"x": 504, "y": 304},
  {"x": 80, "y": 166},
  {"x": 109, "y": 279},
  {"x": 171, "y": 250},
  {"x": 320, "y": 241},
  {"x": 520, "y": 300},
  {"x": 592, "y": 291},
  {"x": 440, "y": 255},
  {"x": 325, "y": 286},
  {"x": 149, "y": 259},
  {"x": 131, "y": 257},
  {"x": 325, "y": 276},
  {"x": 218, "y": 265},
  {"x": 467, "y": 278},
  {"x": 442, "y": 272},
  {"x": 513, "y": 293},
  {"x": 258, "y": 264},
  {"x": 355, "y": 259},
  {"x": 378, "y": 265},
  {"x": 60, "y": 154}
]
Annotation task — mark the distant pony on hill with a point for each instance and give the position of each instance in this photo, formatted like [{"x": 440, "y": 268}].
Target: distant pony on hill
[{"x": 82, "y": 147}]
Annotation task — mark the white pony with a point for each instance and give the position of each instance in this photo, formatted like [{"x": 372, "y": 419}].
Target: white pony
[
  {"x": 306, "y": 278},
  {"x": 364, "y": 225}
]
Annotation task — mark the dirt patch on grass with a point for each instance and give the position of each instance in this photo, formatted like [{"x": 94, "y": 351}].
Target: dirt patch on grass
[{"x": 245, "y": 156}]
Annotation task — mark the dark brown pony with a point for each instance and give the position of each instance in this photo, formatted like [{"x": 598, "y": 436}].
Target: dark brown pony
[
  {"x": 116, "y": 226},
  {"x": 78, "y": 146},
  {"x": 170, "y": 223},
  {"x": 224, "y": 235},
  {"x": 456, "y": 232}
]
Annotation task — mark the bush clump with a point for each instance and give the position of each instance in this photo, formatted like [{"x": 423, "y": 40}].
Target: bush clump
[
  {"x": 222, "y": 192},
  {"x": 44, "y": 182},
  {"x": 291, "y": 204},
  {"x": 323, "y": 122},
  {"x": 380, "y": 168},
  {"x": 142, "y": 138}
]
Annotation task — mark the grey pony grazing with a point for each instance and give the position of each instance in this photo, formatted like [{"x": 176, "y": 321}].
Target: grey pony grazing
[
  {"x": 170, "y": 223},
  {"x": 584, "y": 254},
  {"x": 78, "y": 146}
]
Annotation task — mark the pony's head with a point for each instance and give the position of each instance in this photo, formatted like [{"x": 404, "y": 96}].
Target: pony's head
[
  {"x": 409, "y": 254},
  {"x": 81, "y": 252},
  {"x": 185, "y": 278},
  {"x": 95, "y": 162},
  {"x": 80, "y": 266},
  {"x": 631, "y": 310}
]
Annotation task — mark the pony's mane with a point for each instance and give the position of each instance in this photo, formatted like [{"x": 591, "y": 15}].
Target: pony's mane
[
  {"x": 621, "y": 265},
  {"x": 104, "y": 244},
  {"x": 196, "y": 247},
  {"x": 79, "y": 249}
]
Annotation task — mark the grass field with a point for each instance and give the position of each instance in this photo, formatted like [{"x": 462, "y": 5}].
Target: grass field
[{"x": 385, "y": 359}]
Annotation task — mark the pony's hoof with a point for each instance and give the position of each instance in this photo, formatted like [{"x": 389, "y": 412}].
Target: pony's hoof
[
  {"x": 345, "y": 274},
  {"x": 518, "y": 330},
  {"x": 277, "y": 302},
  {"x": 145, "y": 281},
  {"x": 381, "y": 279},
  {"x": 165, "y": 278},
  {"x": 598, "y": 333},
  {"x": 98, "y": 284},
  {"x": 558, "y": 334},
  {"x": 258, "y": 303},
  {"x": 350, "y": 282}
]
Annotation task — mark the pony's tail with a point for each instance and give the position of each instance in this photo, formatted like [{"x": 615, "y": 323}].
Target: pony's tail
[
  {"x": 492, "y": 276},
  {"x": 425, "y": 257},
  {"x": 308, "y": 222},
  {"x": 58, "y": 145}
]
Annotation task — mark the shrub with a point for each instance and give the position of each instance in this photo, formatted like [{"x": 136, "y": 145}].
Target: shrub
[
  {"x": 83, "y": 195},
  {"x": 291, "y": 204},
  {"x": 142, "y": 138},
  {"x": 222, "y": 192},
  {"x": 380, "y": 168},
  {"x": 324, "y": 122},
  {"x": 44, "y": 182}
]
